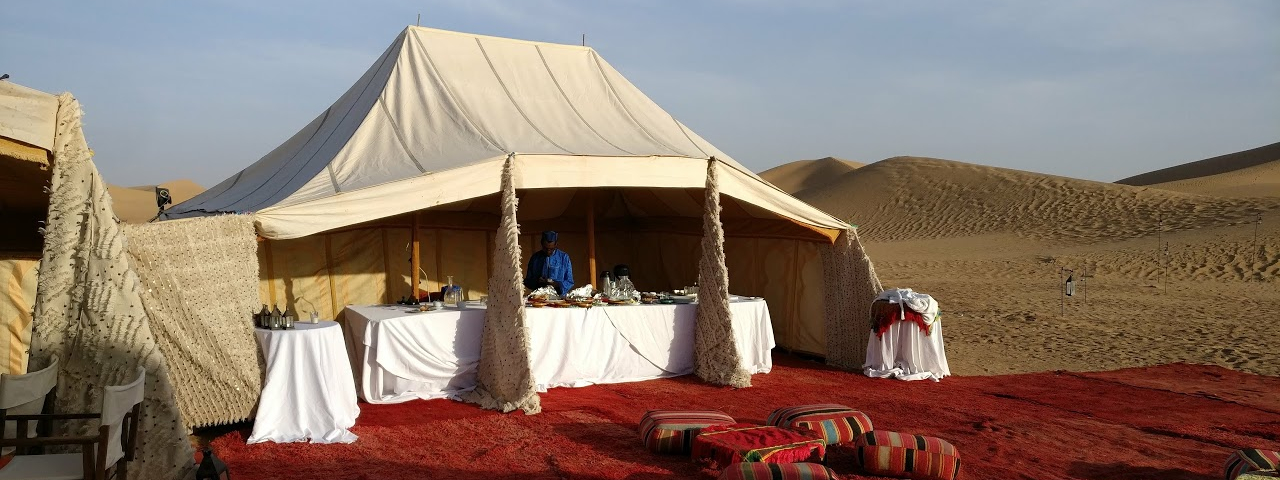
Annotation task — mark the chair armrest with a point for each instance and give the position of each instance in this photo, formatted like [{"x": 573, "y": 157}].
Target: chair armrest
[
  {"x": 53, "y": 416},
  {"x": 48, "y": 441}
]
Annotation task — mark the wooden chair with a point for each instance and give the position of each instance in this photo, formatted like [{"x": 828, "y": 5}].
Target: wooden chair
[
  {"x": 102, "y": 456},
  {"x": 26, "y": 394}
]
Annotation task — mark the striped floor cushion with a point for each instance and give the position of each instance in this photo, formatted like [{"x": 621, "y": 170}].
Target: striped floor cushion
[
  {"x": 1250, "y": 459},
  {"x": 777, "y": 471},
  {"x": 1259, "y": 475},
  {"x": 672, "y": 431},
  {"x": 892, "y": 454},
  {"x": 837, "y": 423}
]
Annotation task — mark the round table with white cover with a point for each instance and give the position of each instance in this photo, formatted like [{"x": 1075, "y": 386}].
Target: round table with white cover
[
  {"x": 906, "y": 350},
  {"x": 309, "y": 392}
]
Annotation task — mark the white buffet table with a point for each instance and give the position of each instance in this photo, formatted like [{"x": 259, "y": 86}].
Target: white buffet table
[
  {"x": 404, "y": 355},
  {"x": 309, "y": 392}
]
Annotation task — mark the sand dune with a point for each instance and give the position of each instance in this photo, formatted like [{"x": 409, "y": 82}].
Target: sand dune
[
  {"x": 1251, "y": 173},
  {"x": 138, "y": 204},
  {"x": 1208, "y": 167},
  {"x": 806, "y": 174},
  {"x": 906, "y": 198},
  {"x": 1171, "y": 275}
]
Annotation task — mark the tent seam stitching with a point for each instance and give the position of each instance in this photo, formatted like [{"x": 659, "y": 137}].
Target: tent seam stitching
[
  {"x": 395, "y": 128},
  {"x": 568, "y": 102},
  {"x": 685, "y": 131},
  {"x": 454, "y": 99},
  {"x": 515, "y": 104},
  {"x": 614, "y": 93}
]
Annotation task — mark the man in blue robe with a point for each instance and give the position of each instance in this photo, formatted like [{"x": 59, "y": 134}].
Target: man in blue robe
[{"x": 549, "y": 266}]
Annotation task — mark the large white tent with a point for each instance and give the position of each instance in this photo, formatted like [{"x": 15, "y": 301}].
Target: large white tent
[{"x": 415, "y": 150}]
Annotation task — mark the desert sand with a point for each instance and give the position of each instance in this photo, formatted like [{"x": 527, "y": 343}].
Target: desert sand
[
  {"x": 1165, "y": 272},
  {"x": 138, "y": 204},
  {"x": 806, "y": 174}
]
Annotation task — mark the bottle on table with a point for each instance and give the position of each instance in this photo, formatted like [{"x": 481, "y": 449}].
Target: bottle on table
[{"x": 452, "y": 294}]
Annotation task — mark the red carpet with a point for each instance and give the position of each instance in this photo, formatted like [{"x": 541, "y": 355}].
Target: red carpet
[{"x": 1169, "y": 422}]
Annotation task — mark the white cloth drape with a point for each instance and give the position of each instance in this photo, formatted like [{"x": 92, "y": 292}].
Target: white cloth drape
[
  {"x": 906, "y": 353},
  {"x": 309, "y": 392},
  {"x": 404, "y": 356}
]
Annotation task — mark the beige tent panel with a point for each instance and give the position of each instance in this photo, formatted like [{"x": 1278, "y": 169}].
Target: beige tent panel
[
  {"x": 17, "y": 299},
  {"x": 13, "y": 149},
  {"x": 553, "y": 182},
  {"x": 370, "y": 265}
]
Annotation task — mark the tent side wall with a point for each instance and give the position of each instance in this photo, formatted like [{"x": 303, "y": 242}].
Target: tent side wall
[
  {"x": 370, "y": 264},
  {"x": 17, "y": 300}
]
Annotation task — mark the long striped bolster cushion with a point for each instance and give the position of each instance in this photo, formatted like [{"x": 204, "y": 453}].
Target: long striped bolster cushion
[
  {"x": 837, "y": 423},
  {"x": 777, "y": 471},
  {"x": 672, "y": 431},
  {"x": 1250, "y": 459},
  {"x": 894, "y": 454}
]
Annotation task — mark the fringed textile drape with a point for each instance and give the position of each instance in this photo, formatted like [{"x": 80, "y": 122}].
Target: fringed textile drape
[
  {"x": 850, "y": 286},
  {"x": 504, "y": 380},
  {"x": 89, "y": 311},
  {"x": 200, "y": 285},
  {"x": 716, "y": 356}
]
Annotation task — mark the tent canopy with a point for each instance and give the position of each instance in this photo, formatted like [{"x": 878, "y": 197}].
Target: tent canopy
[{"x": 431, "y": 122}]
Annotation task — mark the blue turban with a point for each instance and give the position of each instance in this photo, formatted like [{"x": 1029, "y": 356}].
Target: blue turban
[{"x": 549, "y": 236}]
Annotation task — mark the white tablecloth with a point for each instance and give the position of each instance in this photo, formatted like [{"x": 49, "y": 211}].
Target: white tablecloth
[
  {"x": 906, "y": 353},
  {"x": 404, "y": 356},
  {"x": 309, "y": 392}
]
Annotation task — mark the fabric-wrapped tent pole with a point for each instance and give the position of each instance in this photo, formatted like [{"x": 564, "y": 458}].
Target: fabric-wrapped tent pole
[
  {"x": 716, "y": 357},
  {"x": 504, "y": 380},
  {"x": 850, "y": 285}
]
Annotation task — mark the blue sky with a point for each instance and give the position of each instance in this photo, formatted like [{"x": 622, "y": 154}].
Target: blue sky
[{"x": 1095, "y": 89}]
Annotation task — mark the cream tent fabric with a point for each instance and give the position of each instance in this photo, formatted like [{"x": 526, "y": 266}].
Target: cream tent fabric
[
  {"x": 435, "y": 117},
  {"x": 27, "y": 115},
  {"x": 89, "y": 311}
]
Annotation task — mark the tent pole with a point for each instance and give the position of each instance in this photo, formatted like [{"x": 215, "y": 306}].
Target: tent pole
[
  {"x": 271, "y": 274},
  {"x": 591, "y": 235},
  {"x": 415, "y": 258}
]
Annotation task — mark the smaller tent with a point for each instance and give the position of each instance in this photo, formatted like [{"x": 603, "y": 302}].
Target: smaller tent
[
  {"x": 87, "y": 308},
  {"x": 27, "y": 128}
]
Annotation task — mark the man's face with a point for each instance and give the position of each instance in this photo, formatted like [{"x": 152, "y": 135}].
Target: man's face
[{"x": 549, "y": 246}]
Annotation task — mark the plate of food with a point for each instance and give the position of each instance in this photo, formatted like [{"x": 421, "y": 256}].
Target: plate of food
[
  {"x": 536, "y": 304},
  {"x": 683, "y": 299}
]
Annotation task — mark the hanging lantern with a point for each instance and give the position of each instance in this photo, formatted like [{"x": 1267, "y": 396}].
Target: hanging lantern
[
  {"x": 1071, "y": 285},
  {"x": 212, "y": 468}
]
